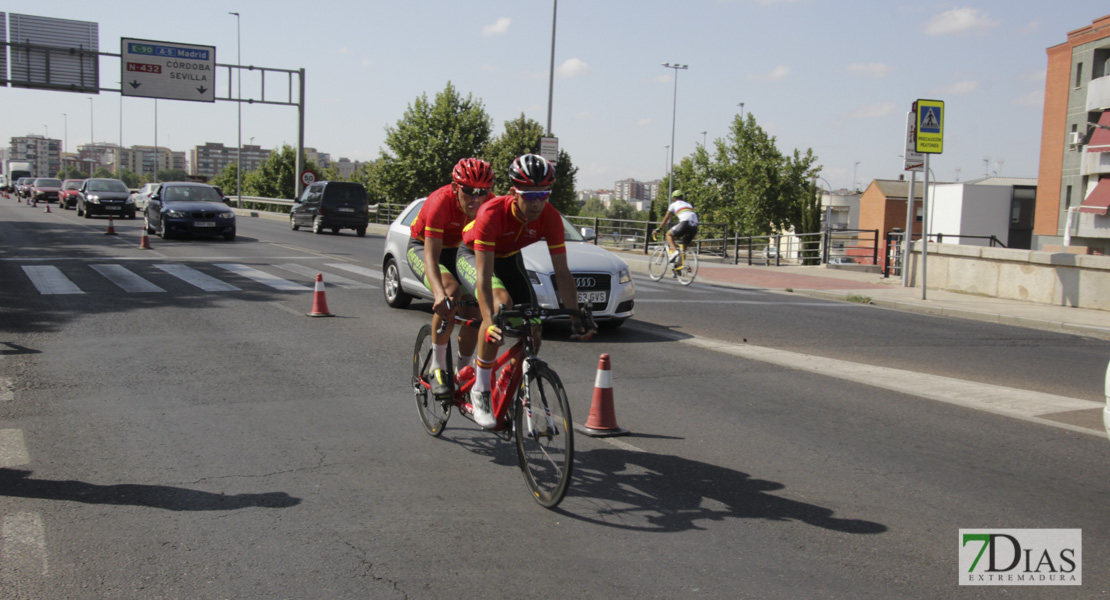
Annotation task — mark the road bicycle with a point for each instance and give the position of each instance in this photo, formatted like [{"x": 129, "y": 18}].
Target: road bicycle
[
  {"x": 528, "y": 400},
  {"x": 685, "y": 267}
]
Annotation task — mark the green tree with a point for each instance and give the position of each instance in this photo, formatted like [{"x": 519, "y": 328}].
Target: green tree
[
  {"x": 594, "y": 207},
  {"x": 130, "y": 178},
  {"x": 227, "y": 180},
  {"x": 173, "y": 175},
  {"x": 276, "y": 177},
  {"x": 103, "y": 173},
  {"x": 427, "y": 142},
  {"x": 369, "y": 175},
  {"x": 522, "y": 136},
  {"x": 72, "y": 172}
]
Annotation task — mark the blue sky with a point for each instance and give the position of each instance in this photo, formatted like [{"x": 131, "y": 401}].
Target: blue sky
[{"x": 837, "y": 77}]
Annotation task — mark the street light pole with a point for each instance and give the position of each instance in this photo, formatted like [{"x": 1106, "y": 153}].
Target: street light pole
[
  {"x": 704, "y": 138},
  {"x": 855, "y": 187},
  {"x": 92, "y": 139},
  {"x": 551, "y": 71},
  {"x": 741, "y": 105},
  {"x": 674, "y": 112},
  {"x": 65, "y": 143},
  {"x": 119, "y": 149},
  {"x": 239, "y": 104}
]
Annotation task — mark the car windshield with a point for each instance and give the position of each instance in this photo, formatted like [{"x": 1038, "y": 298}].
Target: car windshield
[
  {"x": 107, "y": 185},
  {"x": 190, "y": 193},
  {"x": 42, "y": 182},
  {"x": 72, "y": 185}
]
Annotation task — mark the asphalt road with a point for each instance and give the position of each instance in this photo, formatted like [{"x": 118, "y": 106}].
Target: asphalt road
[{"x": 218, "y": 443}]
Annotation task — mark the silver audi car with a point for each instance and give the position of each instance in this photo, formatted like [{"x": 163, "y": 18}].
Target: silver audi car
[{"x": 603, "y": 278}]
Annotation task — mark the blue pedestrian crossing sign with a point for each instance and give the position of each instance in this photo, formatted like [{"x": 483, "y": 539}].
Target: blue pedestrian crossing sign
[{"x": 930, "y": 126}]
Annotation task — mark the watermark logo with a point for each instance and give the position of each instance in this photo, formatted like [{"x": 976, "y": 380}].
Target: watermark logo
[{"x": 1021, "y": 557}]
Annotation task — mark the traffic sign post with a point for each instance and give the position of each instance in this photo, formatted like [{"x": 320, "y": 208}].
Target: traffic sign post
[
  {"x": 930, "y": 126},
  {"x": 168, "y": 70},
  {"x": 549, "y": 149},
  {"x": 308, "y": 178}
]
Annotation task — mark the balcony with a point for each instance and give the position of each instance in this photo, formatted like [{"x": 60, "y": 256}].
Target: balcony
[
  {"x": 1098, "y": 94},
  {"x": 1095, "y": 163}
]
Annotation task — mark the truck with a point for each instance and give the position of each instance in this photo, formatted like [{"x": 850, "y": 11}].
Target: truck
[{"x": 12, "y": 172}]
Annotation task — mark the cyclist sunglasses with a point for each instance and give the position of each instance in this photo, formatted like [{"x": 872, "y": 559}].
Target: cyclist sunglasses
[
  {"x": 473, "y": 191},
  {"x": 534, "y": 196}
]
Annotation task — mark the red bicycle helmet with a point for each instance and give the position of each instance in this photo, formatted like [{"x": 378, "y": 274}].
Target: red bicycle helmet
[
  {"x": 473, "y": 172},
  {"x": 532, "y": 170}
]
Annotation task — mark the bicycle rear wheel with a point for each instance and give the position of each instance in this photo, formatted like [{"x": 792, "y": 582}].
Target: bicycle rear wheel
[
  {"x": 544, "y": 435},
  {"x": 689, "y": 269},
  {"x": 657, "y": 265},
  {"x": 433, "y": 412}
]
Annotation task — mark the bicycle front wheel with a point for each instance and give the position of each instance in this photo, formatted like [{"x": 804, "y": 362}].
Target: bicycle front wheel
[
  {"x": 689, "y": 269},
  {"x": 657, "y": 265},
  {"x": 544, "y": 436},
  {"x": 433, "y": 412}
]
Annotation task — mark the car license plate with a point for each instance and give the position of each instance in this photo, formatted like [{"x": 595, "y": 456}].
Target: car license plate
[
  {"x": 346, "y": 209},
  {"x": 204, "y": 224},
  {"x": 112, "y": 207},
  {"x": 592, "y": 297}
]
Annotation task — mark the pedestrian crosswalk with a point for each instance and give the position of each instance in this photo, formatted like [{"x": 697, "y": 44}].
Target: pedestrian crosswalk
[
  {"x": 73, "y": 277},
  {"x": 158, "y": 278}
]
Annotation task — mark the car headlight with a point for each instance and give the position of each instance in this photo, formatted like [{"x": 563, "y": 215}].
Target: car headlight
[
  {"x": 624, "y": 276},
  {"x": 93, "y": 199},
  {"x": 226, "y": 215},
  {"x": 176, "y": 214}
]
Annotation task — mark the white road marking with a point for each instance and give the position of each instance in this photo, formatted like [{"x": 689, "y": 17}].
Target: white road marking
[
  {"x": 23, "y": 548},
  {"x": 196, "y": 278},
  {"x": 13, "y": 452},
  {"x": 264, "y": 278},
  {"x": 329, "y": 278},
  {"x": 1011, "y": 402},
  {"x": 371, "y": 273},
  {"x": 126, "y": 280},
  {"x": 50, "y": 280},
  {"x": 770, "y": 302}
]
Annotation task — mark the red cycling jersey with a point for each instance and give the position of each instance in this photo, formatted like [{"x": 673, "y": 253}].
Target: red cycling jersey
[
  {"x": 440, "y": 217},
  {"x": 498, "y": 229}
]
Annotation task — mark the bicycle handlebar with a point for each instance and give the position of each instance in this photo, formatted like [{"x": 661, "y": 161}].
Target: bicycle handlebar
[{"x": 503, "y": 315}]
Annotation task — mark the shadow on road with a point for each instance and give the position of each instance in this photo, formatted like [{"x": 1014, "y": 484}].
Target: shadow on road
[
  {"x": 17, "y": 484},
  {"x": 642, "y": 491}
]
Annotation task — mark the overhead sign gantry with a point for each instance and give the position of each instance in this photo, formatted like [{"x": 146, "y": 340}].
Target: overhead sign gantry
[{"x": 168, "y": 70}]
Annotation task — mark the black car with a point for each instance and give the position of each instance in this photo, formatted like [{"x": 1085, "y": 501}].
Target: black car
[
  {"x": 331, "y": 205},
  {"x": 105, "y": 197},
  {"x": 184, "y": 208}
]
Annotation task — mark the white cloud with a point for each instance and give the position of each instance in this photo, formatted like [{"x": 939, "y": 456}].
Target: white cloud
[
  {"x": 1031, "y": 27},
  {"x": 643, "y": 122},
  {"x": 662, "y": 79},
  {"x": 366, "y": 62},
  {"x": 779, "y": 72},
  {"x": 490, "y": 69},
  {"x": 586, "y": 114},
  {"x": 871, "y": 111},
  {"x": 498, "y": 27},
  {"x": 877, "y": 70},
  {"x": 342, "y": 51},
  {"x": 962, "y": 87},
  {"x": 1033, "y": 99},
  {"x": 572, "y": 67},
  {"x": 959, "y": 20}
]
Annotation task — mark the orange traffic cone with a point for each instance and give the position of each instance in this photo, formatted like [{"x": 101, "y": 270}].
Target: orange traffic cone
[
  {"x": 319, "y": 300},
  {"x": 47, "y": 208},
  {"x": 111, "y": 228},
  {"x": 144, "y": 241},
  {"x": 603, "y": 417}
]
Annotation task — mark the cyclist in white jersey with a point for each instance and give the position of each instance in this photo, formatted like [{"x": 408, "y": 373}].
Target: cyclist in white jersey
[{"x": 685, "y": 229}]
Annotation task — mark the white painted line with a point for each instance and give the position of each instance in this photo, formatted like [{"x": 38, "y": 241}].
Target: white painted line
[
  {"x": 50, "y": 280},
  {"x": 13, "y": 452},
  {"x": 196, "y": 278},
  {"x": 126, "y": 280},
  {"x": 23, "y": 550},
  {"x": 371, "y": 273},
  {"x": 329, "y": 278},
  {"x": 1011, "y": 402},
  {"x": 264, "y": 278},
  {"x": 769, "y": 302}
]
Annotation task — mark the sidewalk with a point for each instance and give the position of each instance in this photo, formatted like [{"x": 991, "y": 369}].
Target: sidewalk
[{"x": 840, "y": 284}]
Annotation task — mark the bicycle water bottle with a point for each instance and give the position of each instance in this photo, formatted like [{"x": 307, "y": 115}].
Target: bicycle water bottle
[{"x": 465, "y": 374}]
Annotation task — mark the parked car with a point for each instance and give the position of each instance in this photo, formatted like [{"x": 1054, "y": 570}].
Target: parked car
[
  {"x": 45, "y": 189},
  {"x": 771, "y": 252},
  {"x": 603, "y": 278},
  {"x": 143, "y": 195},
  {"x": 331, "y": 205},
  {"x": 186, "y": 208},
  {"x": 68, "y": 196},
  {"x": 842, "y": 260},
  {"x": 104, "y": 197}
]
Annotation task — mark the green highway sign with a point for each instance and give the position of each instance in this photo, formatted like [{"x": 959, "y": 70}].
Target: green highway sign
[{"x": 930, "y": 126}]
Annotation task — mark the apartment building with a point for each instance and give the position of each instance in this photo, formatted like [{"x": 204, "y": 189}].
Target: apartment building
[
  {"x": 213, "y": 158},
  {"x": 44, "y": 154},
  {"x": 1073, "y": 193}
]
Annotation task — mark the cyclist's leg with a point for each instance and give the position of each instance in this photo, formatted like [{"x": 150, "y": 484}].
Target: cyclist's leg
[
  {"x": 487, "y": 350},
  {"x": 441, "y": 341}
]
